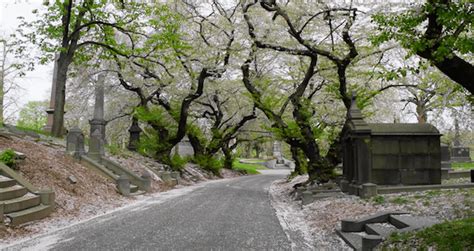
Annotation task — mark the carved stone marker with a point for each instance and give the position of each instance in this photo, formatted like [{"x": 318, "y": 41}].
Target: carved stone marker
[
  {"x": 460, "y": 154},
  {"x": 134, "y": 131},
  {"x": 75, "y": 142},
  {"x": 445, "y": 157},
  {"x": 96, "y": 145},
  {"x": 184, "y": 148}
]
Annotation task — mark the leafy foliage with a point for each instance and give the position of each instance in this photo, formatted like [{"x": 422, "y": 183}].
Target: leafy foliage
[
  {"x": 33, "y": 115},
  {"x": 8, "y": 157},
  {"x": 406, "y": 28}
]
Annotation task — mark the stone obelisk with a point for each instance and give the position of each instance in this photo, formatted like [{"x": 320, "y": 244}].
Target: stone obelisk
[
  {"x": 98, "y": 122},
  {"x": 49, "y": 124}
]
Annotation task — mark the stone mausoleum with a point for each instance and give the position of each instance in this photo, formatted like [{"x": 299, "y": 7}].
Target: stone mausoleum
[{"x": 388, "y": 154}]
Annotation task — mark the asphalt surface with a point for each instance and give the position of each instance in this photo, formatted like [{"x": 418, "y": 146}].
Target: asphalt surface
[{"x": 233, "y": 214}]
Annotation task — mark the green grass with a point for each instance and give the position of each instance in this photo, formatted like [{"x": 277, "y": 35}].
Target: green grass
[
  {"x": 453, "y": 235},
  {"x": 463, "y": 166},
  {"x": 26, "y": 129},
  {"x": 249, "y": 168}
]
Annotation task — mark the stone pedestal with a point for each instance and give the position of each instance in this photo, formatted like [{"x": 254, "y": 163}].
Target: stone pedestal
[
  {"x": 96, "y": 146},
  {"x": 98, "y": 124},
  {"x": 123, "y": 185}
]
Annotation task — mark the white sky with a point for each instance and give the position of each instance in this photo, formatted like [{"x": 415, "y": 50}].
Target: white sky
[{"x": 36, "y": 84}]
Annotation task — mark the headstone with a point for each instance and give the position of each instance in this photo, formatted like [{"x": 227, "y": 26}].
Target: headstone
[
  {"x": 98, "y": 122},
  {"x": 460, "y": 154},
  {"x": 96, "y": 145},
  {"x": 445, "y": 157},
  {"x": 134, "y": 140},
  {"x": 75, "y": 142},
  {"x": 184, "y": 148}
]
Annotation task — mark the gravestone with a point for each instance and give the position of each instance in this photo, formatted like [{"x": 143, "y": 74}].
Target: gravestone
[
  {"x": 388, "y": 154},
  {"x": 98, "y": 122},
  {"x": 134, "y": 139},
  {"x": 75, "y": 142},
  {"x": 445, "y": 157},
  {"x": 459, "y": 153},
  {"x": 96, "y": 146},
  {"x": 184, "y": 148}
]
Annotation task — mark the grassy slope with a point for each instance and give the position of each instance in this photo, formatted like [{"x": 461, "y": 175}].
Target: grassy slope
[
  {"x": 453, "y": 235},
  {"x": 249, "y": 168},
  {"x": 463, "y": 166}
]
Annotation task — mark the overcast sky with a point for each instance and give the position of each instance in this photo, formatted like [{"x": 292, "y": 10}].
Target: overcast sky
[{"x": 36, "y": 84}]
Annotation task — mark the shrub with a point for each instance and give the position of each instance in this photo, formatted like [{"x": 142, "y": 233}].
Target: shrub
[
  {"x": 177, "y": 162},
  {"x": 209, "y": 163},
  {"x": 8, "y": 158}
]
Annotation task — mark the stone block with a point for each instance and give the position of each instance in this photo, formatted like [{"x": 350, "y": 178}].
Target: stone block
[
  {"x": 420, "y": 176},
  {"x": 344, "y": 185},
  {"x": 72, "y": 179},
  {"x": 146, "y": 183},
  {"x": 96, "y": 146},
  {"x": 47, "y": 197},
  {"x": 123, "y": 185},
  {"x": 306, "y": 197},
  {"x": 386, "y": 177},
  {"x": 385, "y": 146},
  {"x": 368, "y": 190}
]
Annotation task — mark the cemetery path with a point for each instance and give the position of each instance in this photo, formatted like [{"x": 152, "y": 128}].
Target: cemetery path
[{"x": 220, "y": 215}]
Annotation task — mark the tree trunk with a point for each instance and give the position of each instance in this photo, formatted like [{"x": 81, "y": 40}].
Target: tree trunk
[
  {"x": 198, "y": 148},
  {"x": 60, "y": 95},
  {"x": 228, "y": 158},
  {"x": 298, "y": 161}
]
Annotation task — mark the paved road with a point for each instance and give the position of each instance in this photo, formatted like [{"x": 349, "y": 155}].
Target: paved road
[{"x": 232, "y": 214}]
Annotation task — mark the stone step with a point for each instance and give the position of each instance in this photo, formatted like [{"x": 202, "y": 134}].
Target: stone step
[
  {"x": 409, "y": 223},
  {"x": 6, "y": 182},
  {"x": 383, "y": 230},
  {"x": 30, "y": 214},
  {"x": 360, "y": 240},
  {"x": 12, "y": 192},
  {"x": 21, "y": 203},
  {"x": 350, "y": 225},
  {"x": 133, "y": 188}
]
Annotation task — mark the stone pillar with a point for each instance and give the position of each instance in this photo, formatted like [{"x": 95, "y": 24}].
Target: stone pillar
[
  {"x": 134, "y": 131},
  {"x": 98, "y": 122},
  {"x": 49, "y": 123},
  {"x": 357, "y": 149},
  {"x": 75, "y": 142},
  {"x": 96, "y": 146}
]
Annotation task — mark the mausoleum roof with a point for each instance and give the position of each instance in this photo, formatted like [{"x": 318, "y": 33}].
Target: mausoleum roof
[{"x": 403, "y": 129}]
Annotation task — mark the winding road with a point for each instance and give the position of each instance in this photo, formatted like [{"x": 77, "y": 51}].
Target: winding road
[{"x": 230, "y": 214}]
